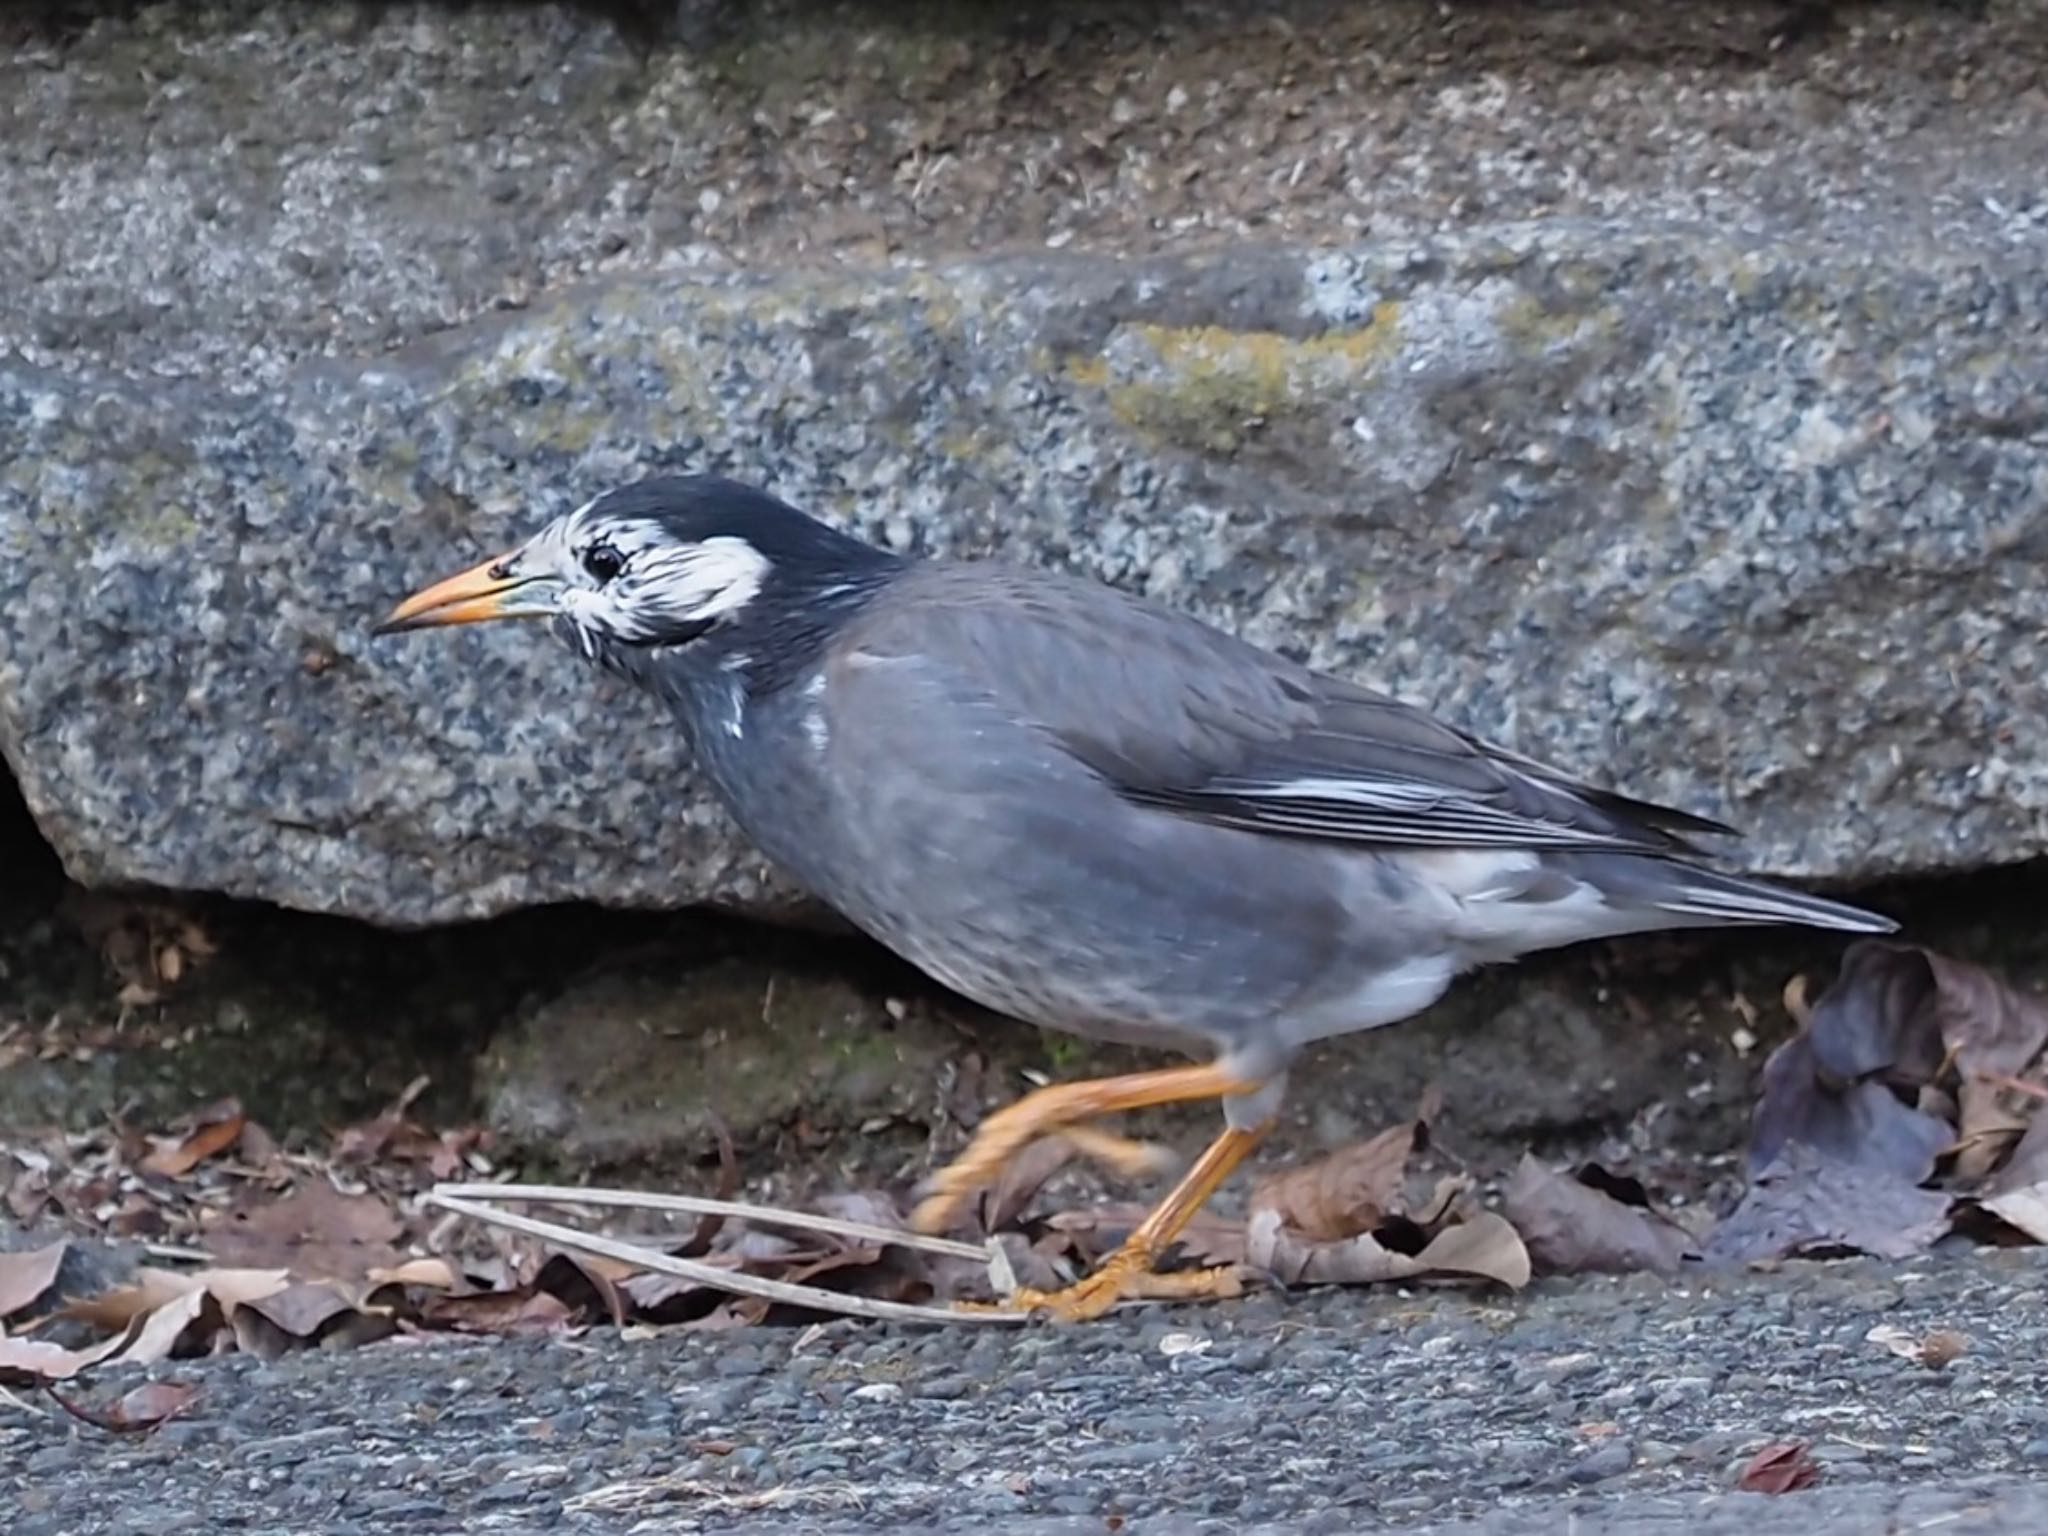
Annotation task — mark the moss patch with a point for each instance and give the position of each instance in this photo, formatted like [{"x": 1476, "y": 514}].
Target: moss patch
[{"x": 1212, "y": 388}]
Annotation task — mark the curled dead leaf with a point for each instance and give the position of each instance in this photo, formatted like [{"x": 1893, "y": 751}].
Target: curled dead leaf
[
  {"x": 1344, "y": 1193},
  {"x": 1835, "y": 1086},
  {"x": 1908, "y": 1058},
  {"x": 1804, "y": 1204},
  {"x": 1781, "y": 1468},
  {"x": 136, "y": 1412},
  {"x": 24, "y": 1277},
  {"x": 146, "y": 1338},
  {"x": 1483, "y": 1245},
  {"x": 305, "y": 1314},
  {"x": 1207, "y": 1240},
  {"x": 519, "y": 1311},
  {"x": 586, "y": 1284},
  {"x": 30, "y": 1362},
  {"x": 1021, "y": 1179},
  {"x": 438, "y": 1274},
  {"x": 1572, "y": 1227},
  {"x": 159, "y": 1335},
  {"x": 2018, "y": 1194},
  {"x": 214, "y": 1129}
]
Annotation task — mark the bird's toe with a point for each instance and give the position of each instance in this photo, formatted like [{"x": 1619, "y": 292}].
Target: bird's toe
[{"x": 1127, "y": 1277}]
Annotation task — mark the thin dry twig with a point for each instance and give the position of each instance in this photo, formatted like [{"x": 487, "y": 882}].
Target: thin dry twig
[
  {"x": 693, "y": 1205},
  {"x": 813, "y": 1297}
]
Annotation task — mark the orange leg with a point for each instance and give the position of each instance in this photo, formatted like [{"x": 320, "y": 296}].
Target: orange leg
[
  {"x": 1128, "y": 1275},
  {"x": 1121, "y": 1155},
  {"x": 1007, "y": 1132}
]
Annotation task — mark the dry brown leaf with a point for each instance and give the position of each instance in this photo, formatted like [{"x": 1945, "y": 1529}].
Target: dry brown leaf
[
  {"x": 149, "y": 1338},
  {"x": 1888, "y": 1031},
  {"x": 2026, "y": 1210},
  {"x": 161, "y": 1330},
  {"x": 153, "y": 1289},
  {"x": 1571, "y": 1227},
  {"x": 585, "y": 1285},
  {"x": 1022, "y": 1177},
  {"x": 301, "y": 1309},
  {"x": 2018, "y": 1195},
  {"x": 1993, "y": 1033},
  {"x": 29, "y": 1195},
  {"x": 1207, "y": 1240},
  {"x": 1831, "y": 1086},
  {"x": 438, "y": 1274},
  {"x": 510, "y": 1312},
  {"x": 31, "y": 1361},
  {"x": 1781, "y": 1468},
  {"x": 1348, "y": 1191},
  {"x": 299, "y": 1315},
  {"x": 112, "y": 1311},
  {"x": 24, "y": 1277},
  {"x": 1805, "y": 1204},
  {"x": 238, "y": 1287},
  {"x": 215, "y": 1129},
  {"x": 1435, "y": 1208},
  {"x": 136, "y": 1412},
  {"x": 1483, "y": 1245},
  {"x": 317, "y": 1233}
]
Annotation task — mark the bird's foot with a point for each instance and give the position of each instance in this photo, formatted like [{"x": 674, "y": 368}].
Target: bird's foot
[
  {"x": 1124, "y": 1156},
  {"x": 1128, "y": 1276},
  {"x": 1008, "y": 1131}
]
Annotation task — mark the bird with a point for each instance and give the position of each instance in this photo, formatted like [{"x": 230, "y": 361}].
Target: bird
[{"x": 1093, "y": 812}]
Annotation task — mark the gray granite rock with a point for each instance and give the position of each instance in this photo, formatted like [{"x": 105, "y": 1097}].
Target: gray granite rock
[
  {"x": 1676, "y": 421},
  {"x": 1754, "y": 529}
]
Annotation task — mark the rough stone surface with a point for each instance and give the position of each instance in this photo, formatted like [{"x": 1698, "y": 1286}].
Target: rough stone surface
[
  {"x": 1660, "y": 400},
  {"x": 1748, "y": 528},
  {"x": 651, "y": 1061},
  {"x": 1443, "y": 1415}
]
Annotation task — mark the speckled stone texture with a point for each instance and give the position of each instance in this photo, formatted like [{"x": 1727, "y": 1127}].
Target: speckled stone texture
[{"x": 1676, "y": 481}]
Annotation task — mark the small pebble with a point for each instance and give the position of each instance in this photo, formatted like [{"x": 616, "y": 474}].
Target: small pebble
[{"x": 1612, "y": 1459}]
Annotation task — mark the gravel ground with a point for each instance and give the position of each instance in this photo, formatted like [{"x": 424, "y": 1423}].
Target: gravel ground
[{"x": 1588, "y": 1406}]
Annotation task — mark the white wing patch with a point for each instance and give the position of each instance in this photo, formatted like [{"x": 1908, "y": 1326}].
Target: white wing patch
[{"x": 1381, "y": 810}]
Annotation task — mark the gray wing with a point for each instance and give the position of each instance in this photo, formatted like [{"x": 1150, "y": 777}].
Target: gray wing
[{"x": 1178, "y": 715}]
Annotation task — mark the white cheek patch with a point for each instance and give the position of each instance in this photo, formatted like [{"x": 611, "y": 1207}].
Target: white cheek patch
[{"x": 673, "y": 586}]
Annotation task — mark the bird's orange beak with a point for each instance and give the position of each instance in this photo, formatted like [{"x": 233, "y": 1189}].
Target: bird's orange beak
[{"x": 493, "y": 589}]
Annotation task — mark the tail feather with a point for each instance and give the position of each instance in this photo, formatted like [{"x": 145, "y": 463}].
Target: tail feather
[{"x": 1719, "y": 898}]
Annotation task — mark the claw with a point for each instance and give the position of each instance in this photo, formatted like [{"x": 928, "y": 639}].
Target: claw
[{"x": 1126, "y": 1276}]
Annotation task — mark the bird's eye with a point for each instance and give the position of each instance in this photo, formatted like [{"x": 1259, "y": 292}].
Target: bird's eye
[{"x": 603, "y": 562}]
